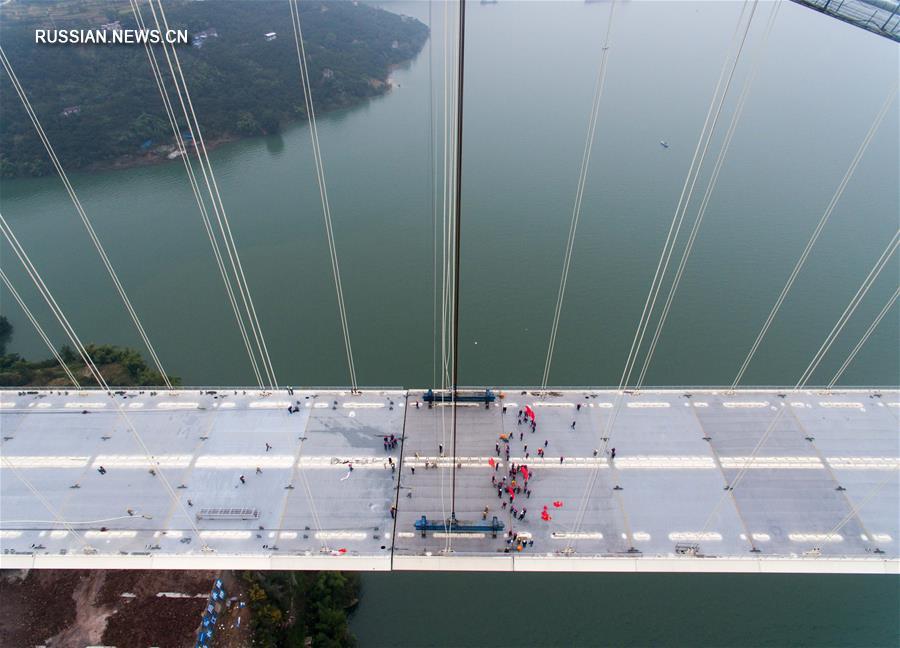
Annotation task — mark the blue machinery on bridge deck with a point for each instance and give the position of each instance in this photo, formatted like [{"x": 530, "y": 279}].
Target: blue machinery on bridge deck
[
  {"x": 455, "y": 526},
  {"x": 486, "y": 397}
]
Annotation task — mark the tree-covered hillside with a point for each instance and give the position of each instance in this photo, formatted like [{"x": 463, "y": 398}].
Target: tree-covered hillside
[
  {"x": 119, "y": 366},
  {"x": 99, "y": 103}
]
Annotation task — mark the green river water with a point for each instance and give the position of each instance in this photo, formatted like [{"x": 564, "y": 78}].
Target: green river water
[{"x": 529, "y": 80}]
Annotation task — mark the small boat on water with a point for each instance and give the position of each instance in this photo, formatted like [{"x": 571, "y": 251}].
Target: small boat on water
[{"x": 664, "y": 143}]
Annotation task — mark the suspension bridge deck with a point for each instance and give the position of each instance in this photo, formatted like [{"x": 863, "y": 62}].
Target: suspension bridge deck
[{"x": 821, "y": 494}]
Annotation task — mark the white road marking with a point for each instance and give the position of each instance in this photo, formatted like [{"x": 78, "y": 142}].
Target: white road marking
[
  {"x": 226, "y": 535},
  {"x": 170, "y": 533},
  {"x": 47, "y": 462},
  {"x": 772, "y": 463},
  {"x": 169, "y": 405},
  {"x": 341, "y": 535},
  {"x": 865, "y": 463},
  {"x": 245, "y": 461},
  {"x": 108, "y": 535},
  {"x": 269, "y": 405},
  {"x": 661, "y": 462},
  {"x": 816, "y": 537},
  {"x": 694, "y": 536},
  {"x": 141, "y": 461}
]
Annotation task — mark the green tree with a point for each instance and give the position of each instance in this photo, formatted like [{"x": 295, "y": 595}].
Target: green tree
[
  {"x": 240, "y": 84},
  {"x": 6, "y": 331},
  {"x": 247, "y": 124}
]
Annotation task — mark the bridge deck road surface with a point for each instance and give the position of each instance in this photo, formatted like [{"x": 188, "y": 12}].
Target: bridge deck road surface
[{"x": 819, "y": 494}]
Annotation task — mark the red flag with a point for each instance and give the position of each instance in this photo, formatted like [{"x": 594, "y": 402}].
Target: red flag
[
  {"x": 491, "y": 462},
  {"x": 557, "y": 504},
  {"x": 525, "y": 472},
  {"x": 529, "y": 412},
  {"x": 509, "y": 489}
]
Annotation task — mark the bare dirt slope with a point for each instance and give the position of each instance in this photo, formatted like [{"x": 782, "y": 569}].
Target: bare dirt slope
[{"x": 63, "y": 608}]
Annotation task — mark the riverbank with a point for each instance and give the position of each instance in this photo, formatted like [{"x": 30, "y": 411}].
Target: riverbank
[
  {"x": 102, "y": 110},
  {"x": 163, "y": 154},
  {"x": 159, "y": 156}
]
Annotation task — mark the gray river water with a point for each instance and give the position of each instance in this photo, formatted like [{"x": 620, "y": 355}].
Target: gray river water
[{"x": 530, "y": 72}]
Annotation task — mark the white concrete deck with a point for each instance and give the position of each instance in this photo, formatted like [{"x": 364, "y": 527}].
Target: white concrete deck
[{"x": 821, "y": 495}]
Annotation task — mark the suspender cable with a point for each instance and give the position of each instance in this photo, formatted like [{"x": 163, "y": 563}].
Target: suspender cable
[
  {"x": 865, "y": 338},
  {"x": 212, "y": 186},
  {"x": 38, "y": 328},
  {"x": 579, "y": 196},
  {"x": 47, "y": 505},
  {"x": 35, "y": 276},
  {"x": 704, "y": 203},
  {"x": 84, "y": 219},
  {"x": 687, "y": 190},
  {"x": 715, "y": 107},
  {"x": 47, "y": 295},
  {"x": 195, "y": 188},
  {"x": 811, "y": 367},
  {"x": 854, "y": 511},
  {"x": 323, "y": 189},
  {"x": 852, "y": 306},
  {"x": 458, "y": 221},
  {"x": 815, "y": 235}
]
